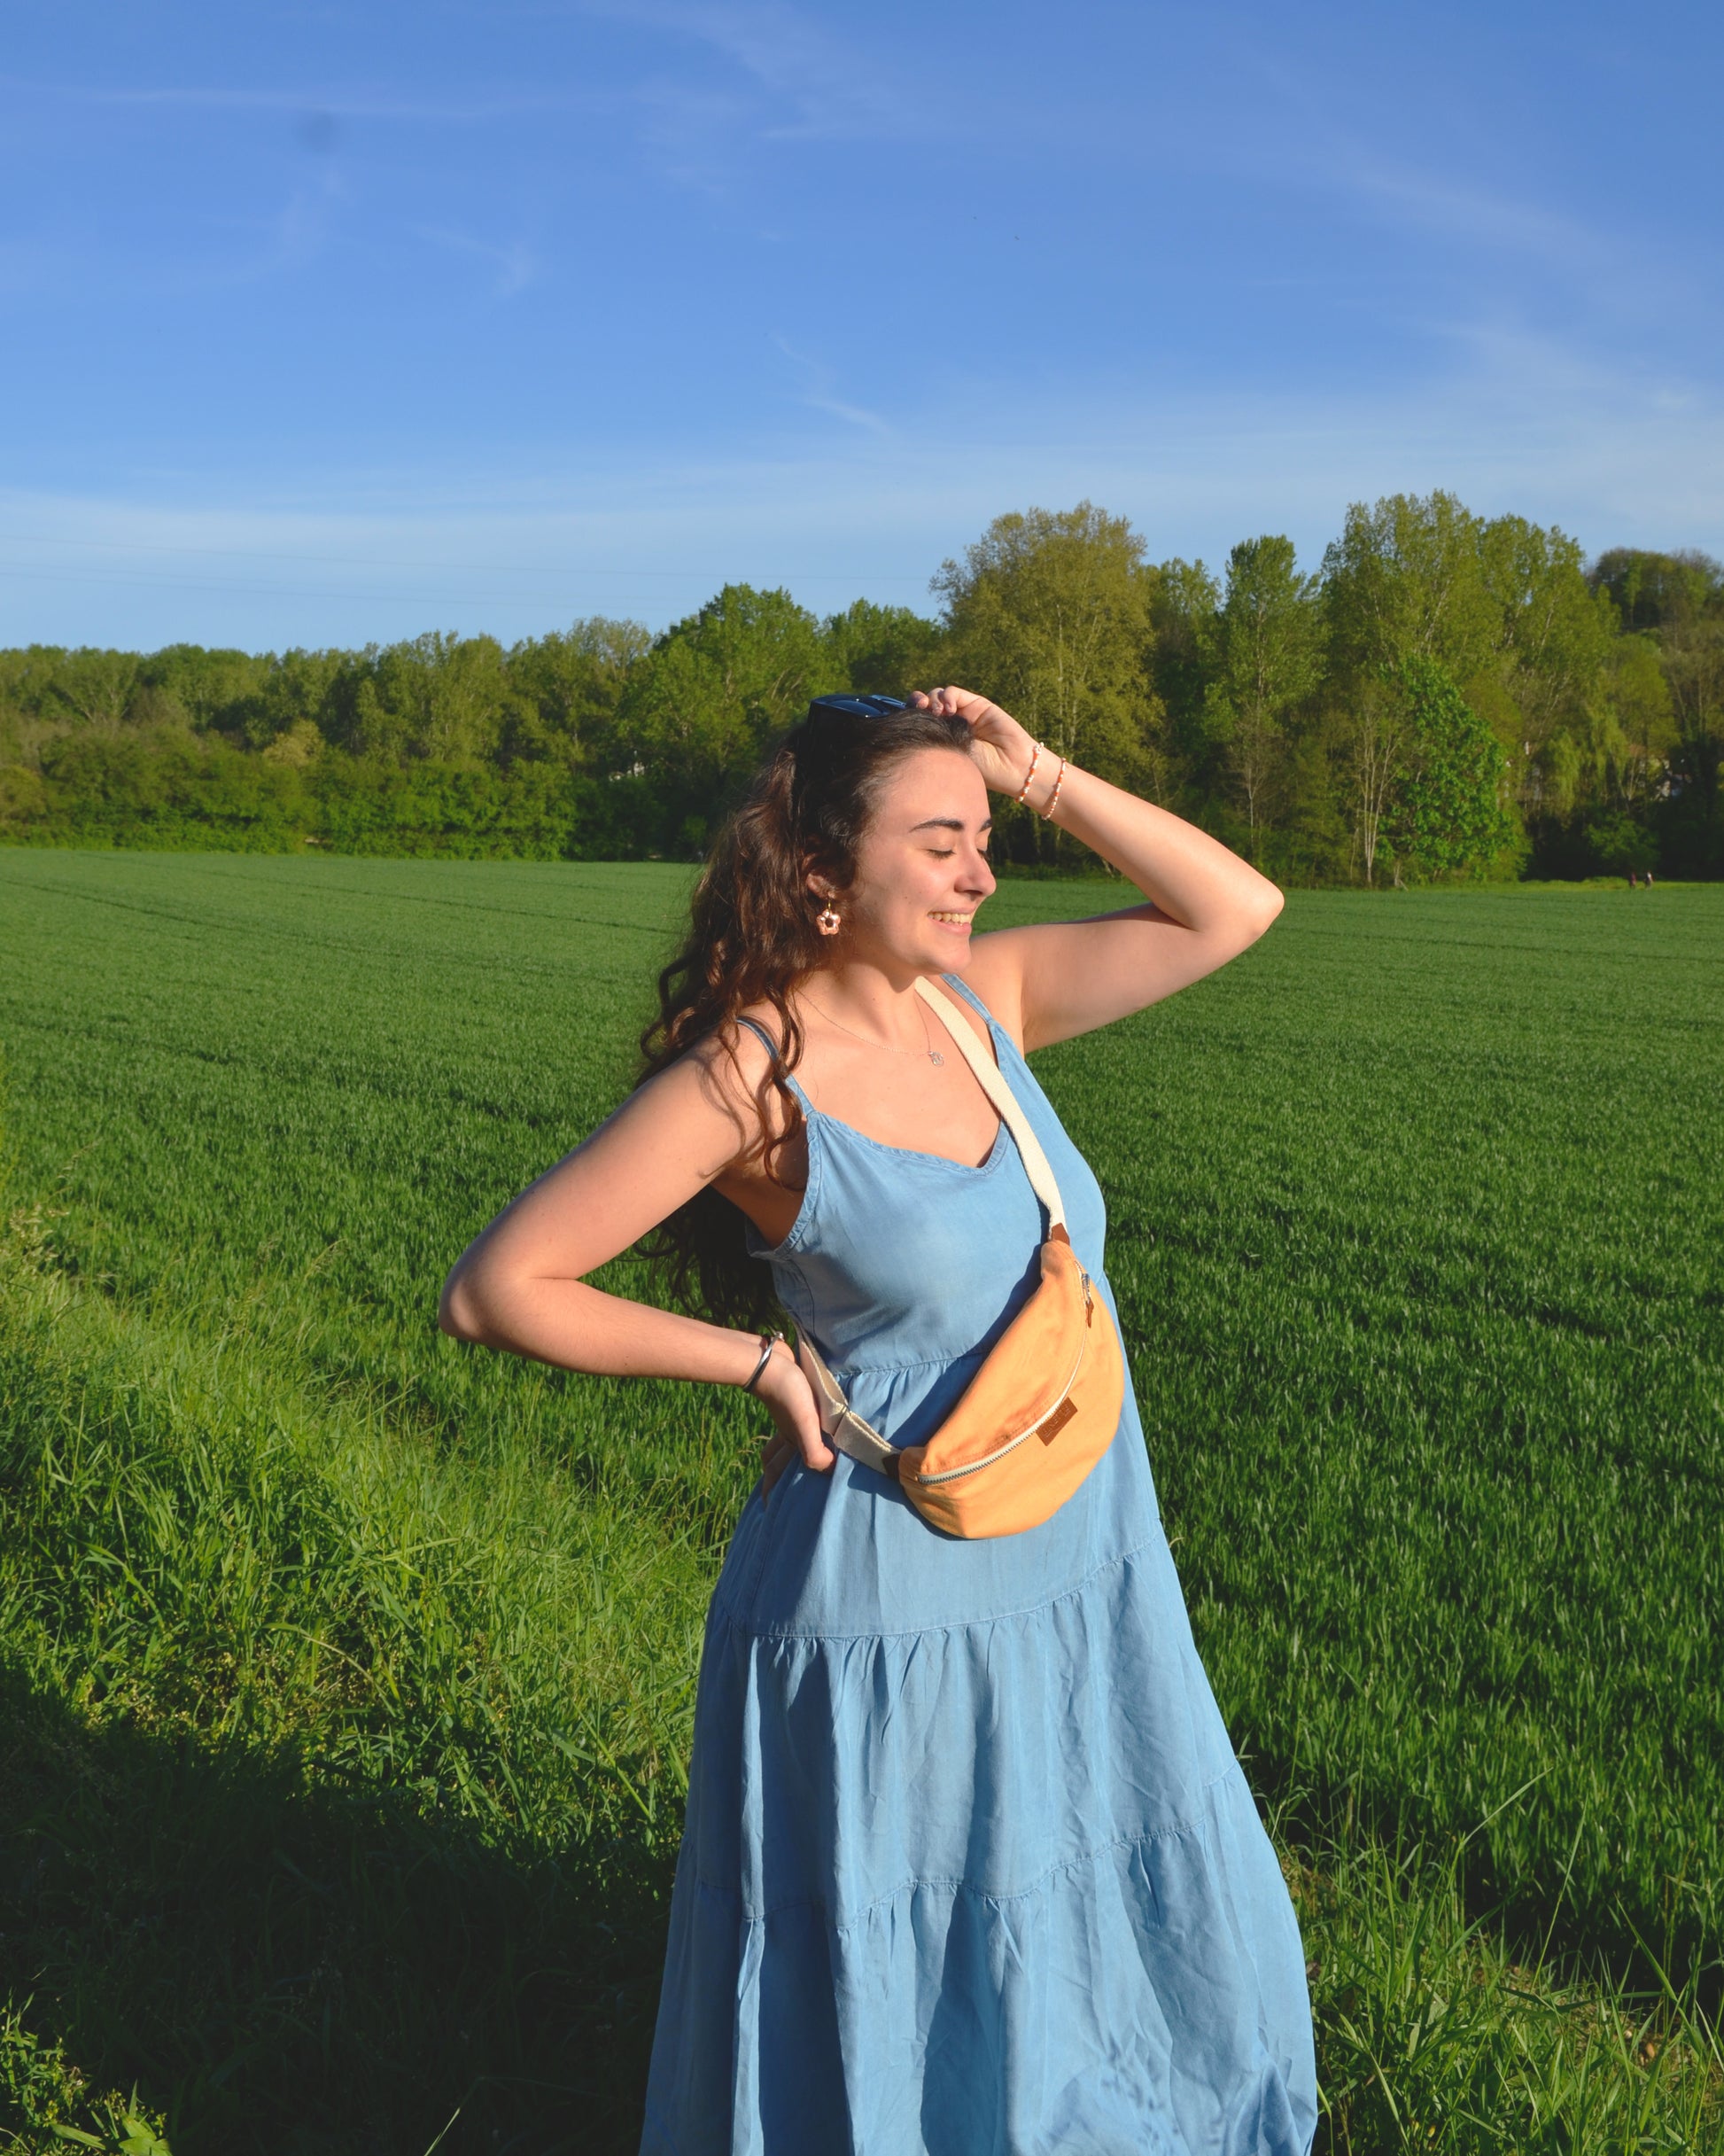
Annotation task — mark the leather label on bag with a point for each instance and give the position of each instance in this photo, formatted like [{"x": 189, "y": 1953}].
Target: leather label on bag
[{"x": 1058, "y": 1420}]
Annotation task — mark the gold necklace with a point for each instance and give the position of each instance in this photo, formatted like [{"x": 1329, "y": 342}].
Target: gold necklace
[{"x": 930, "y": 1051}]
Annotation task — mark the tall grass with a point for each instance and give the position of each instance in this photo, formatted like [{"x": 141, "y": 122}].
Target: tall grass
[{"x": 347, "y": 1674}]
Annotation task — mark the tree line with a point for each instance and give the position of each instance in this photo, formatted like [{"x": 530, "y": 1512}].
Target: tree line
[{"x": 1446, "y": 696}]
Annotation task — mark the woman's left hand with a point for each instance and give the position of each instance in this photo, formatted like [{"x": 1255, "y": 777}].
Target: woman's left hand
[{"x": 1001, "y": 747}]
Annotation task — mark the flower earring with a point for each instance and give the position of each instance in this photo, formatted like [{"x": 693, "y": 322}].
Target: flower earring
[{"x": 827, "y": 920}]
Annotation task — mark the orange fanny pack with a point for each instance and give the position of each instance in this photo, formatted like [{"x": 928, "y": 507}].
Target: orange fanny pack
[{"x": 1044, "y": 1406}]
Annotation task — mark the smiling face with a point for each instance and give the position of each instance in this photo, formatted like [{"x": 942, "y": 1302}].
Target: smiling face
[{"x": 921, "y": 870}]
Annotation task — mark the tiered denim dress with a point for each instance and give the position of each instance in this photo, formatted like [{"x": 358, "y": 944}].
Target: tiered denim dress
[{"x": 969, "y": 1865}]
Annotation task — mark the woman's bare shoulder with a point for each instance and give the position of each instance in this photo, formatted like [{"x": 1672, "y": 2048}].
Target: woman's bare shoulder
[
  {"x": 730, "y": 1066},
  {"x": 994, "y": 977}
]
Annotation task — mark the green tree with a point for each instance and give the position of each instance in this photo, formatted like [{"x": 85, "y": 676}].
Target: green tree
[
  {"x": 882, "y": 650},
  {"x": 1449, "y": 816},
  {"x": 567, "y": 688},
  {"x": 1183, "y": 600},
  {"x": 27, "y": 679},
  {"x": 96, "y": 685},
  {"x": 440, "y": 697},
  {"x": 1677, "y": 599},
  {"x": 1621, "y": 844},
  {"x": 320, "y": 686},
  {"x": 1288, "y": 717},
  {"x": 23, "y": 798},
  {"x": 1313, "y": 842},
  {"x": 1376, "y": 729},
  {"x": 1591, "y": 769},
  {"x": 1266, "y": 646},
  {"x": 1555, "y": 638},
  {"x": 296, "y": 745},
  {"x": 1657, "y": 592},
  {"x": 212, "y": 689},
  {"x": 1635, "y": 715},
  {"x": 1048, "y": 613},
  {"x": 1405, "y": 580},
  {"x": 702, "y": 705}
]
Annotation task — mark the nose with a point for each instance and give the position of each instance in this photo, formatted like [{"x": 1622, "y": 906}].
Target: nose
[{"x": 978, "y": 876}]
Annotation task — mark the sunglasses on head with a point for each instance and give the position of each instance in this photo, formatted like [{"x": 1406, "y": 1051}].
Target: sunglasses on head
[{"x": 856, "y": 707}]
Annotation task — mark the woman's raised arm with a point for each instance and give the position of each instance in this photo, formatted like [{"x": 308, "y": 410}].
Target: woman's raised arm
[{"x": 1059, "y": 979}]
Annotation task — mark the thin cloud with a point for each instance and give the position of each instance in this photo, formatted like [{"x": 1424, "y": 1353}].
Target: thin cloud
[
  {"x": 514, "y": 262},
  {"x": 1404, "y": 195},
  {"x": 818, "y": 394},
  {"x": 321, "y": 102},
  {"x": 302, "y": 227},
  {"x": 690, "y": 132},
  {"x": 828, "y": 86},
  {"x": 1306, "y": 123},
  {"x": 816, "y": 86}
]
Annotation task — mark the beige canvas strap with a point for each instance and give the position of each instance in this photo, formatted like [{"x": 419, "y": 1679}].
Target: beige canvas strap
[
  {"x": 992, "y": 1078},
  {"x": 844, "y": 1428}
]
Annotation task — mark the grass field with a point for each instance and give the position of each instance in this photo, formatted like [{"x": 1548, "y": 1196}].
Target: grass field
[{"x": 345, "y": 1673}]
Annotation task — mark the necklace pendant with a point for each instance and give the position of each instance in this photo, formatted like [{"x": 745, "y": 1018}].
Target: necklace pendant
[{"x": 935, "y": 1056}]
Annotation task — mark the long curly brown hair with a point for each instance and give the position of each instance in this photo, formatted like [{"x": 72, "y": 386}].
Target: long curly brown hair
[{"x": 751, "y": 940}]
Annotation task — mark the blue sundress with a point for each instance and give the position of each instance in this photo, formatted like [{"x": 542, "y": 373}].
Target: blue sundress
[{"x": 969, "y": 1867}]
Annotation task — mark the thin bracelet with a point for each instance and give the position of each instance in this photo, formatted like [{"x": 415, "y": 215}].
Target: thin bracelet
[
  {"x": 768, "y": 1341},
  {"x": 1059, "y": 782},
  {"x": 1034, "y": 759}
]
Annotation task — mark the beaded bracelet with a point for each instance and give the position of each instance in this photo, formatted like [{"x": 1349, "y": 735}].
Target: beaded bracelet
[
  {"x": 1034, "y": 759},
  {"x": 1059, "y": 780}
]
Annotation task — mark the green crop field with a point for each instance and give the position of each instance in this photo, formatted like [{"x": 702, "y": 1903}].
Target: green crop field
[{"x": 347, "y": 1673}]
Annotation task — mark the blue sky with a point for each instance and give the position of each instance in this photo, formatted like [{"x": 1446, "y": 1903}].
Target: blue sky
[{"x": 328, "y": 323}]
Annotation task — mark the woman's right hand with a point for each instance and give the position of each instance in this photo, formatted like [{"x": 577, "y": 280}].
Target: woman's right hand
[{"x": 789, "y": 1396}]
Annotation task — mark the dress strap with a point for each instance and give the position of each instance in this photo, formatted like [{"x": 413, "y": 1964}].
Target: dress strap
[{"x": 777, "y": 1054}]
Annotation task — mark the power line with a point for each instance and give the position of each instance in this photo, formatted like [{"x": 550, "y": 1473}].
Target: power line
[
  {"x": 275, "y": 591},
  {"x": 338, "y": 561}
]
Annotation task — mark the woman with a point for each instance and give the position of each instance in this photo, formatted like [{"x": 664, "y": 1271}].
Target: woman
[{"x": 969, "y": 1865}]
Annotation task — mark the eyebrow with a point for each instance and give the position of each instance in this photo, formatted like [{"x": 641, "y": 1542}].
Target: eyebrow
[{"x": 950, "y": 823}]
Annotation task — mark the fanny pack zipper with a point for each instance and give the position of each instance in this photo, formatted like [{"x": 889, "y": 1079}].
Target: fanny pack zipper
[{"x": 974, "y": 1466}]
